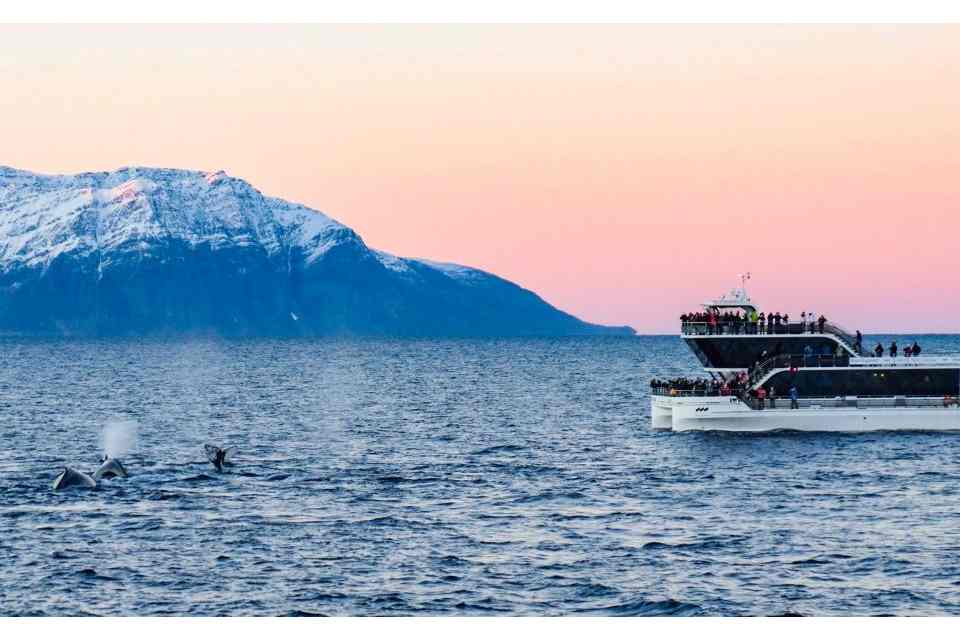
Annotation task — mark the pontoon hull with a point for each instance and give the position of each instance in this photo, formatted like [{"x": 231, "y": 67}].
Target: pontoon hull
[{"x": 726, "y": 413}]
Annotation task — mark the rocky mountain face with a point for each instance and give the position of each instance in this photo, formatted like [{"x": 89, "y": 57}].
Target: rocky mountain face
[{"x": 142, "y": 251}]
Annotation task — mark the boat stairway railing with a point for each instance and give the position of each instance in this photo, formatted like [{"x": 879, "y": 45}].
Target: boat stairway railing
[
  {"x": 843, "y": 336},
  {"x": 758, "y": 372}
]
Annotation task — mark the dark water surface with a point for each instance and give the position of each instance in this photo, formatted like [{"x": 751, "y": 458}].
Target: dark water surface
[{"x": 447, "y": 477}]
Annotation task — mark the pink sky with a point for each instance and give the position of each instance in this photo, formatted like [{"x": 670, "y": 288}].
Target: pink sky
[{"x": 625, "y": 173}]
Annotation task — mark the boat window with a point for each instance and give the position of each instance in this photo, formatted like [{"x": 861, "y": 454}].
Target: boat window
[
  {"x": 868, "y": 382},
  {"x": 743, "y": 353}
]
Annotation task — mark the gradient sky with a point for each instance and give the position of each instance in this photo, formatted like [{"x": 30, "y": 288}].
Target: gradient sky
[{"x": 625, "y": 173}]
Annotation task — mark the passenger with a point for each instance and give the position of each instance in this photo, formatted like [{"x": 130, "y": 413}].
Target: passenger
[
  {"x": 821, "y": 321},
  {"x": 794, "y": 397},
  {"x": 893, "y": 349},
  {"x": 761, "y": 396},
  {"x": 807, "y": 354},
  {"x": 773, "y": 397},
  {"x": 907, "y": 350},
  {"x": 770, "y": 323},
  {"x": 858, "y": 343},
  {"x": 916, "y": 349},
  {"x": 878, "y": 351}
]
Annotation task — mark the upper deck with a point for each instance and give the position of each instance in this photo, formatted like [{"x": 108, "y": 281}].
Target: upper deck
[{"x": 730, "y": 334}]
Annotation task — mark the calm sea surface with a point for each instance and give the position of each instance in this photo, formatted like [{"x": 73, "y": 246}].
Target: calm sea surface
[{"x": 494, "y": 477}]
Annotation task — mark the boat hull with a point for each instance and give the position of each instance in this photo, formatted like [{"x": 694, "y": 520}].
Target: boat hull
[{"x": 730, "y": 414}]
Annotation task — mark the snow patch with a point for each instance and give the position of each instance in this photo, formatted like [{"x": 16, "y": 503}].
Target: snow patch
[
  {"x": 392, "y": 262},
  {"x": 455, "y": 271},
  {"x": 214, "y": 177}
]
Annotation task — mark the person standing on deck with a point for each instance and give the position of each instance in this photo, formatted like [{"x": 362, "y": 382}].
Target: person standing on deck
[
  {"x": 878, "y": 351},
  {"x": 893, "y": 349},
  {"x": 794, "y": 397}
]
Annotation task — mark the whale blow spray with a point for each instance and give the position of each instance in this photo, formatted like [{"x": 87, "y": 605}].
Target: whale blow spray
[{"x": 118, "y": 437}]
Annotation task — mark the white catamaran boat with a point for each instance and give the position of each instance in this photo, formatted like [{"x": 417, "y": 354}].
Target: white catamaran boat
[{"x": 808, "y": 376}]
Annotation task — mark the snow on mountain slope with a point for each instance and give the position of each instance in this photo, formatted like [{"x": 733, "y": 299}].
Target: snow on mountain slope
[{"x": 131, "y": 209}]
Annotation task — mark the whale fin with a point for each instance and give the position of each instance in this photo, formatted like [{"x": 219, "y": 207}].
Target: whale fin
[
  {"x": 228, "y": 455},
  {"x": 215, "y": 455},
  {"x": 58, "y": 481},
  {"x": 211, "y": 452}
]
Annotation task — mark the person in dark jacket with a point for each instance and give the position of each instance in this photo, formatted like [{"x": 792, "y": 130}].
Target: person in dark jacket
[
  {"x": 893, "y": 349},
  {"x": 916, "y": 349},
  {"x": 878, "y": 351},
  {"x": 821, "y": 321}
]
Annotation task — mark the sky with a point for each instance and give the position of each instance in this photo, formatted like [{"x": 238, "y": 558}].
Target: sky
[{"x": 626, "y": 173}]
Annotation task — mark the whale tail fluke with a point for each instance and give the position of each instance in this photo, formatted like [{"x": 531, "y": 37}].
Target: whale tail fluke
[{"x": 217, "y": 456}]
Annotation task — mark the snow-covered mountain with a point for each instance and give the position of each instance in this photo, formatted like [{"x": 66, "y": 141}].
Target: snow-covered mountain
[{"x": 145, "y": 251}]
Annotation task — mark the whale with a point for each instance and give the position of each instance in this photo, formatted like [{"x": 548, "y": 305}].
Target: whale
[
  {"x": 217, "y": 456},
  {"x": 72, "y": 478},
  {"x": 110, "y": 468}
]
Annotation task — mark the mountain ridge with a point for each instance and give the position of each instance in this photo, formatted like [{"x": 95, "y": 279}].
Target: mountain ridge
[{"x": 143, "y": 250}]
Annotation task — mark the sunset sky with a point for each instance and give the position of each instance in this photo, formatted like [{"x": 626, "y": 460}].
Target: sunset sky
[{"x": 624, "y": 173}]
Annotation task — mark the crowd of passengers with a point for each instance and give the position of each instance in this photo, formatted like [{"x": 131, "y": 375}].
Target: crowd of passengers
[
  {"x": 909, "y": 350},
  {"x": 700, "y": 386},
  {"x": 752, "y": 322}
]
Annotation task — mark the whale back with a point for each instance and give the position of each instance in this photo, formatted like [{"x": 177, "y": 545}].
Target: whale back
[
  {"x": 111, "y": 468},
  {"x": 73, "y": 478}
]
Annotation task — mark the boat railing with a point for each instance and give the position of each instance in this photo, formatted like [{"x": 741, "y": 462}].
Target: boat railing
[
  {"x": 744, "y": 328},
  {"x": 844, "y": 336},
  {"x": 760, "y": 370},
  {"x": 906, "y": 361},
  {"x": 740, "y": 328},
  {"x": 709, "y": 392}
]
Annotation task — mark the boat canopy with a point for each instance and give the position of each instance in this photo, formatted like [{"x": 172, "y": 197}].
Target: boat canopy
[{"x": 736, "y": 298}]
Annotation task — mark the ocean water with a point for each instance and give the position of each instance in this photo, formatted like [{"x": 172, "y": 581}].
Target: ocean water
[{"x": 457, "y": 477}]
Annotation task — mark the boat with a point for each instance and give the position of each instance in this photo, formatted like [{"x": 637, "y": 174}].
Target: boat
[{"x": 810, "y": 375}]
